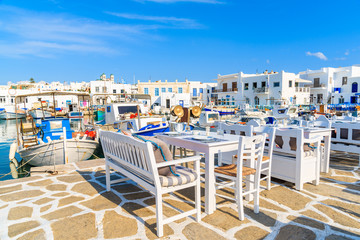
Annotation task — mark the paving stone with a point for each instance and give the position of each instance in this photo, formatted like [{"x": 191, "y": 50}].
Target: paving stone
[
  {"x": 183, "y": 206},
  {"x": 88, "y": 188},
  {"x": 61, "y": 213},
  {"x": 20, "y": 195},
  {"x": 264, "y": 217},
  {"x": 345, "y": 173},
  {"x": 107, "y": 200},
  {"x": 16, "y": 213},
  {"x": 352, "y": 209},
  {"x": 45, "y": 208},
  {"x": 292, "y": 200},
  {"x": 126, "y": 188},
  {"x": 292, "y": 232},
  {"x": 224, "y": 218},
  {"x": 69, "y": 200},
  {"x": 167, "y": 211},
  {"x": 100, "y": 172},
  {"x": 348, "y": 232},
  {"x": 194, "y": 231},
  {"x": 117, "y": 226},
  {"x": 35, "y": 235},
  {"x": 41, "y": 183},
  {"x": 137, "y": 210},
  {"x": 56, "y": 187},
  {"x": 338, "y": 217},
  {"x": 19, "y": 228},
  {"x": 19, "y": 180},
  {"x": 91, "y": 163},
  {"x": 10, "y": 189},
  {"x": 349, "y": 186},
  {"x": 334, "y": 192},
  {"x": 344, "y": 179},
  {"x": 60, "y": 194},
  {"x": 269, "y": 205},
  {"x": 315, "y": 215},
  {"x": 307, "y": 222},
  {"x": 139, "y": 195},
  {"x": 113, "y": 176},
  {"x": 43, "y": 201},
  {"x": 74, "y": 178},
  {"x": 77, "y": 228},
  {"x": 251, "y": 233},
  {"x": 150, "y": 229},
  {"x": 336, "y": 237}
]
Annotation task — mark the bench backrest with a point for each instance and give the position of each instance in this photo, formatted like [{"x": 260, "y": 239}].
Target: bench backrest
[
  {"x": 269, "y": 140},
  {"x": 346, "y": 132},
  {"x": 236, "y": 129},
  {"x": 134, "y": 155},
  {"x": 290, "y": 141},
  {"x": 322, "y": 122}
]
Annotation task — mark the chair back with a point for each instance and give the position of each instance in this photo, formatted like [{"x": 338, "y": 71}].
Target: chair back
[
  {"x": 250, "y": 150},
  {"x": 269, "y": 140},
  {"x": 236, "y": 129},
  {"x": 134, "y": 155},
  {"x": 289, "y": 140},
  {"x": 322, "y": 122}
]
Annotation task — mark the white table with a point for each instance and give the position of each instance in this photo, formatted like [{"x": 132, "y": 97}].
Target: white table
[{"x": 231, "y": 143}]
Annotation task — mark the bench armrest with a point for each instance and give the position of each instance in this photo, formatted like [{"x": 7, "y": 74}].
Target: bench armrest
[
  {"x": 178, "y": 161},
  {"x": 313, "y": 140}
]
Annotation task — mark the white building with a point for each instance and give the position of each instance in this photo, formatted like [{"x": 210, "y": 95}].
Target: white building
[
  {"x": 261, "y": 89},
  {"x": 334, "y": 85}
]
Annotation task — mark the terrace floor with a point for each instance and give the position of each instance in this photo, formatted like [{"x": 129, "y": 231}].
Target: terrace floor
[{"x": 75, "y": 205}]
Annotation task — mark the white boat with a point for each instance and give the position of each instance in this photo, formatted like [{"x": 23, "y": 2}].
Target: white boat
[
  {"x": 39, "y": 114},
  {"x": 74, "y": 111},
  {"x": 209, "y": 118},
  {"x": 4, "y": 115}
]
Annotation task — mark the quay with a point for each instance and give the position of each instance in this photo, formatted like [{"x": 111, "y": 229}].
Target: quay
[{"x": 74, "y": 204}]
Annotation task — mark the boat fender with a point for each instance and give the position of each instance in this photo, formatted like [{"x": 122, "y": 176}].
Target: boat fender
[
  {"x": 13, "y": 169},
  {"x": 48, "y": 139},
  {"x": 12, "y": 151},
  {"x": 84, "y": 137}
]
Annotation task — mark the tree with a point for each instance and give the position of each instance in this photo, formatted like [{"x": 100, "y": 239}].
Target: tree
[{"x": 32, "y": 80}]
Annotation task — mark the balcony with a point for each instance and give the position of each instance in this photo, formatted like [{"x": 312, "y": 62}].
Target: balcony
[
  {"x": 225, "y": 90},
  {"x": 322, "y": 85},
  {"x": 302, "y": 89},
  {"x": 263, "y": 90}
]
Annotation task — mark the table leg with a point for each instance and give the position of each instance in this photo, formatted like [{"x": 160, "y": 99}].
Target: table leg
[
  {"x": 327, "y": 145},
  {"x": 210, "y": 200}
]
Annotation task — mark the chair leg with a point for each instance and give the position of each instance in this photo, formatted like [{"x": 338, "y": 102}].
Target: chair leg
[
  {"x": 159, "y": 215},
  {"x": 198, "y": 194},
  {"x": 269, "y": 180},
  {"x": 107, "y": 169},
  {"x": 240, "y": 200},
  {"x": 256, "y": 198}
]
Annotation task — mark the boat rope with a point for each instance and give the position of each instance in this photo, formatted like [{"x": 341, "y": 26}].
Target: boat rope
[
  {"x": 4, "y": 175},
  {"x": 158, "y": 147}
]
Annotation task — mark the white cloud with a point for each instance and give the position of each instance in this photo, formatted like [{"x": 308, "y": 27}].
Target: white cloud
[
  {"x": 319, "y": 55},
  {"x": 168, "y": 21},
  {"x": 347, "y": 52},
  {"x": 175, "y": 1}
]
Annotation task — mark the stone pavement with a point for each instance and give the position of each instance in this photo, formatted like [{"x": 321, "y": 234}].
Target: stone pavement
[{"x": 75, "y": 205}]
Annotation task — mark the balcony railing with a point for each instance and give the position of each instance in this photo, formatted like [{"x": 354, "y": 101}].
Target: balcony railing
[
  {"x": 264, "y": 90},
  {"x": 225, "y": 90},
  {"x": 302, "y": 89},
  {"x": 322, "y": 85}
]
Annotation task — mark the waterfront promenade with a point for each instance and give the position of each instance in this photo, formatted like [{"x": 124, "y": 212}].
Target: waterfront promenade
[{"x": 75, "y": 205}]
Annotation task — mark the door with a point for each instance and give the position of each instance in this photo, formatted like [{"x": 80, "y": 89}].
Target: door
[
  {"x": 353, "y": 99},
  {"x": 167, "y": 103},
  {"x": 181, "y": 103},
  {"x": 224, "y": 87},
  {"x": 234, "y": 86}
]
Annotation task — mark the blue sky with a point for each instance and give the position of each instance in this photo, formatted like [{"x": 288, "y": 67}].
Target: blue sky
[{"x": 59, "y": 40}]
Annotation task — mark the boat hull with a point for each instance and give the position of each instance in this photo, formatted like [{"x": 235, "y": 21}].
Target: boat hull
[
  {"x": 37, "y": 114},
  {"x": 11, "y": 115},
  {"x": 75, "y": 115},
  {"x": 45, "y": 154}
]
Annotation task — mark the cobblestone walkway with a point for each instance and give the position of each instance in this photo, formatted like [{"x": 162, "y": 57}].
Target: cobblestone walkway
[{"x": 75, "y": 205}]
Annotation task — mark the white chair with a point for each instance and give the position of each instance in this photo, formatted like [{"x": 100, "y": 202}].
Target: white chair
[
  {"x": 250, "y": 149},
  {"x": 135, "y": 159}
]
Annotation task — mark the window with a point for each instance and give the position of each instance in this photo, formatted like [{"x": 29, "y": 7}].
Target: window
[
  {"x": 246, "y": 86},
  {"x": 234, "y": 86},
  {"x": 163, "y": 89},
  {"x": 169, "y": 89},
  {"x": 208, "y": 91},
  {"x": 122, "y": 91},
  {"x": 254, "y": 85},
  {"x": 146, "y": 90},
  {"x": 201, "y": 90},
  {"x": 344, "y": 80},
  {"x": 354, "y": 87},
  {"x": 97, "y": 89},
  {"x": 257, "y": 101},
  {"x": 263, "y": 84},
  {"x": 180, "y": 90},
  {"x": 114, "y": 90},
  {"x": 194, "y": 92},
  {"x": 156, "y": 91},
  {"x": 290, "y": 83},
  {"x": 276, "y": 84},
  {"x": 247, "y": 100},
  {"x": 104, "y": 89},
  {"x": 341, "y": 100},
  {"x": 316, "y": 82}
]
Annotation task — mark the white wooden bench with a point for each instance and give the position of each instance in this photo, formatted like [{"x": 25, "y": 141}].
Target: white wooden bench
[
  {"x": 135, "y": 159},
  {"x": 346, "y": 137}
]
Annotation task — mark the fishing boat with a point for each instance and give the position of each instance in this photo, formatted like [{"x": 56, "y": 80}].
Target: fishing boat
[
  {"x": 221, "y": 110},
  {"x": 74, "y": 111},
  {"x": 40, "y": 114},
  {"x": 9, "y": 112},
  {"x": 99, "y": 114},
  {"x": 52, "y": 141}
]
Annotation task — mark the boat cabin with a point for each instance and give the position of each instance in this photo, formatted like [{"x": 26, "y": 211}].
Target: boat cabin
[{"x": 53, "y": 128}]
